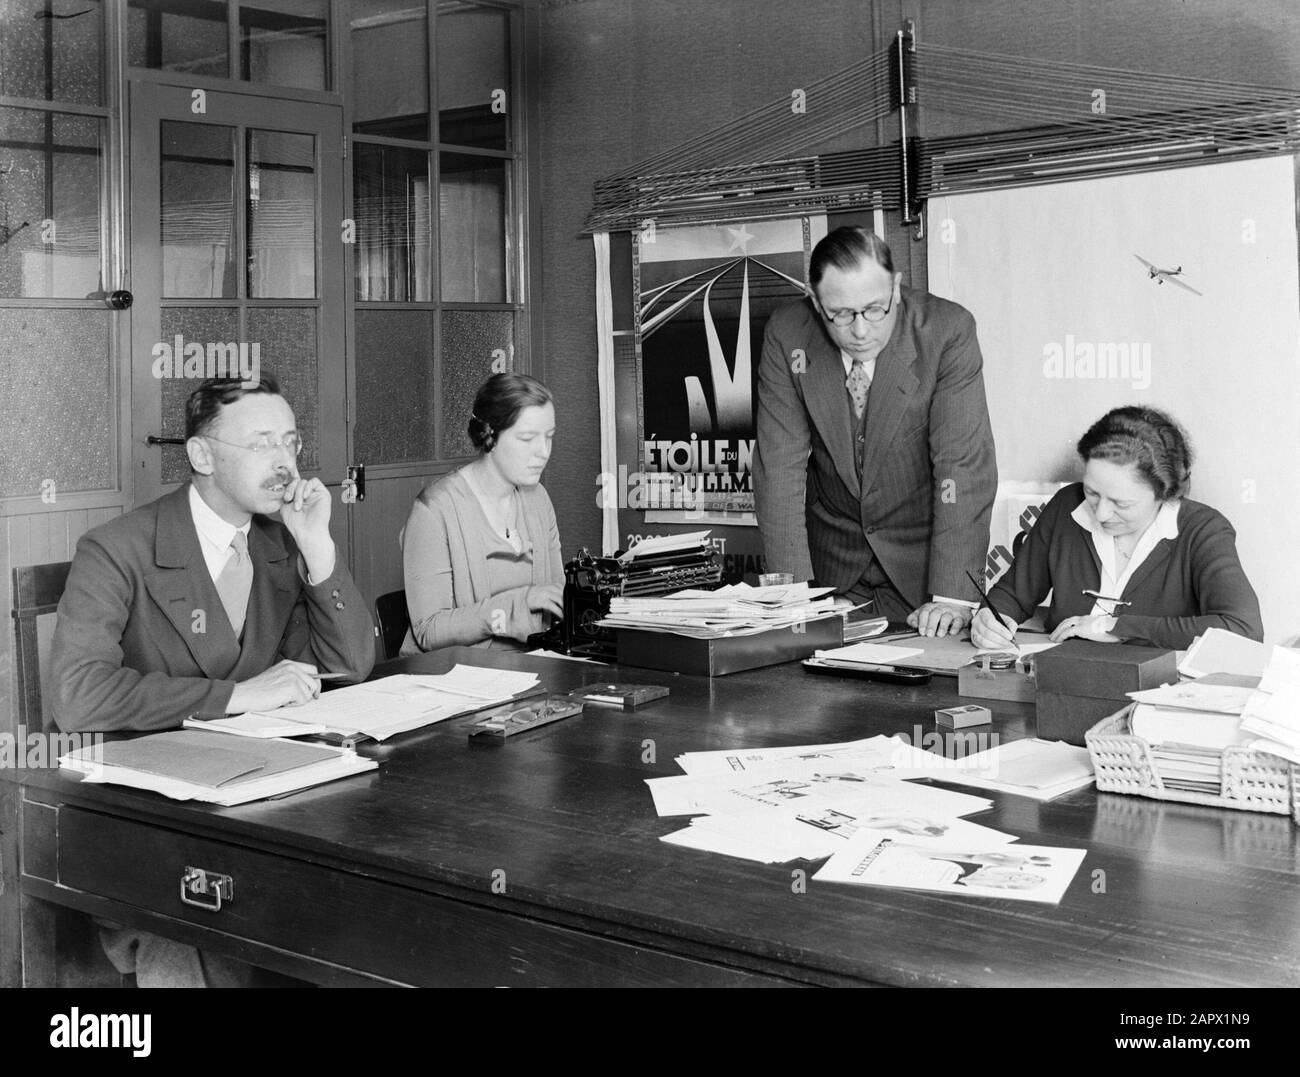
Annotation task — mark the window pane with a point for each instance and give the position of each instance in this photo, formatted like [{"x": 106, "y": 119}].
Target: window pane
[
  {"x": 281, "y": 215},
  {"x": 395, "y": 387},
  {"x": 472, "y": 219},
  {"x": 194, "y": 325},
  {"x": 170, "y": 36},
  {"x": 50, "y": 203},
  {"x": 285, "y": 42},
  {"x": 472, "y": 341},
  {"x": 61, "y": 364},
  {"x": 474, "y": 93},
  {"x": 392, "y": 37},
  {"x": 390, "y": 190},
  {"x": 51, "y": 59},
  {"x": 198, "y": 210},
  {"x": 286, "y": 339}
]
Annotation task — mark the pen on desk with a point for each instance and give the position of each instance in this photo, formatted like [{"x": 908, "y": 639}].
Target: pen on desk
[
  {"x": 986, "y": 604},
  {"x": 332, "y": 676}
]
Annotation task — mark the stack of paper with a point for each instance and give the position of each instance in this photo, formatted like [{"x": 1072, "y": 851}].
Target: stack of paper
[
  {"x": 212, "y": 767},
  {"x": 1272, "y": 713},
  {"x": 737, "y": 610},
  {"x": 380, "y": 709}
]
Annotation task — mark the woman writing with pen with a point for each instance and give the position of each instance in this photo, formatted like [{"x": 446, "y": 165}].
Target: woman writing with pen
[{"x": 1127, "y": 557}]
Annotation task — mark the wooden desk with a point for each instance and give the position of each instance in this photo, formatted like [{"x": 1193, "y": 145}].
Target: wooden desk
[{"x": 537, "y": 862}]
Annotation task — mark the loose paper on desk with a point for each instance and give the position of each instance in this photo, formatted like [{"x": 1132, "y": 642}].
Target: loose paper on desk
[
  {"x": 261, "y": 726},
  {"x": 879, "y": 753},
  {"x": 875, "y": 654},
  {"x": 805, "y": 785},
  {"x": 541, "y": 652},
  {"x": 775, "y": 837},
  {"x": 947, "y": 654},
  {"x": 1039, "y": 769},
  {"x": 391, "y": 705},
  {"x": 1016, "y": 873},
  {"x": 1217, "y": 650}
]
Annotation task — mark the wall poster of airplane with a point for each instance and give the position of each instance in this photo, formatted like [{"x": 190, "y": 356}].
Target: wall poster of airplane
[{"x": 1174, "y": 288}]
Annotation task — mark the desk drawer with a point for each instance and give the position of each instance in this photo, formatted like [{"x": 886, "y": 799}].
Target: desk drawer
[{"x": 349, "y": 920}]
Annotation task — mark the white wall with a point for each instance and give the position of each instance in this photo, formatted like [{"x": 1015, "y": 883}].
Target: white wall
[{"x": 1050, "y": 272}]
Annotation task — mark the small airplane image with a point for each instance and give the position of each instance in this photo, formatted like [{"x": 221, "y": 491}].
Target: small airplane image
[{"x": 1162, "y": 275}]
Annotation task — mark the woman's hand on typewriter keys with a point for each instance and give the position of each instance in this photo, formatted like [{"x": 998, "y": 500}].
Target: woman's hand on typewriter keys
[{"x": 546, "y": 598}]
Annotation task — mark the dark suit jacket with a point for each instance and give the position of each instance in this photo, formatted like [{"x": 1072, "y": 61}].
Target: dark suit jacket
[
  {"x": 127, "y": 653},
  {"x": 923, "y": 499},
  {"x": 1184, "y": 586}
]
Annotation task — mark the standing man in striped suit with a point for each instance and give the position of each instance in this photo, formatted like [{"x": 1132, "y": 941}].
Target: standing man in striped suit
[{"x": 874, "y": 470}]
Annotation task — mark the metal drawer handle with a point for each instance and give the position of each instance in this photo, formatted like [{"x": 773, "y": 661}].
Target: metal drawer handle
[{"x": 206, "y": 889}]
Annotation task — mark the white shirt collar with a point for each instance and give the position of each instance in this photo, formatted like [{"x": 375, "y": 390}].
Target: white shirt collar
[
  {"x": 215, "y": 534},
  {"x": 869, "y": 365},
  {"x": 1113, "y": 581}
]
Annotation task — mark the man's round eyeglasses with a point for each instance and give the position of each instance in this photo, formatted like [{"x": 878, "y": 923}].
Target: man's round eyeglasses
[
  {"x": 291, "y": 443},
  {"x": 873, "y": 313}
]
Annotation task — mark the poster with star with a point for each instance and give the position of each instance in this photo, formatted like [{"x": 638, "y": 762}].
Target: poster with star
[{"x": 704, "y": 293}]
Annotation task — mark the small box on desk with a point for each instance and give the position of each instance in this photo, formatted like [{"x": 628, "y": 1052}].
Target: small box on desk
[
  {"x": 979, "y": 680},
  {"x": 729, "y": 654},
  {"x": 1081, "y": 682}
]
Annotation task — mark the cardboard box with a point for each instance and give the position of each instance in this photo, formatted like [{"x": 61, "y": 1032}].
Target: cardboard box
[
  {"x": 715, "y": 657},
  {"x": 1081, "y": 682},
  {"x": 976, "y": 681}
]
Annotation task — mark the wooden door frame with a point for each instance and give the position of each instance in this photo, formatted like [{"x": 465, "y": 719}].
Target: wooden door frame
[{"x": 152, "y": 102}]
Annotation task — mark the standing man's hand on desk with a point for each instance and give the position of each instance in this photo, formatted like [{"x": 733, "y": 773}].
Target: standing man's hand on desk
[
  {"x": 991, "y": 634},
  {"x": 283, "y": 684},
  {"x": 939, "y": 619}
]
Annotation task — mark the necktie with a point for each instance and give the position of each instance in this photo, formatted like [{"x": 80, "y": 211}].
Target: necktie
[
  {"x": 235, "y": 582},
  {"x": 858, "y": 384}
]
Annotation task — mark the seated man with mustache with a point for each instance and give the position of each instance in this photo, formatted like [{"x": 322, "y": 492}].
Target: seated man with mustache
[{"x": 225, "y": 596}]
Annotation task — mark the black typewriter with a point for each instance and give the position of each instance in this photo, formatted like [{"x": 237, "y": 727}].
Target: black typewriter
[{"x": 590, "y": 582}]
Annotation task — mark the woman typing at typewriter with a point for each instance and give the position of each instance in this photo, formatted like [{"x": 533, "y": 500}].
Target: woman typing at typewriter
[{"x": 480, "y": 549}]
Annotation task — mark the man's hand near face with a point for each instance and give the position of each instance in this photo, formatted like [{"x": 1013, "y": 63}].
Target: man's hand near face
[{"x": 306, "y": 514}]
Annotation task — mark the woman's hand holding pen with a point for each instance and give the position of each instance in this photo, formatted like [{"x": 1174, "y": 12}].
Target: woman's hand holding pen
[{"x": 990, "y": 632}]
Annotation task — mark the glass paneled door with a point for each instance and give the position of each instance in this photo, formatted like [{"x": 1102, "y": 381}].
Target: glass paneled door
[{"x": 237, "y": 268}]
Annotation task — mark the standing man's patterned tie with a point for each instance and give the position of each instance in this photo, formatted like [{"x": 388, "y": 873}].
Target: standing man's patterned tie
[
  {"x": 235, "y": 582},
  {"x": 858, "y": 384}
]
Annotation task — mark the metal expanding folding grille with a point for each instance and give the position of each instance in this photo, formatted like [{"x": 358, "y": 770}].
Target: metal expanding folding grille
[{"x": 1050, "y": 121}]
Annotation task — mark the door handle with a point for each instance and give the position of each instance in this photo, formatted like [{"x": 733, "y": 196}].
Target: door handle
[
  {"x": 357, "y": 481},
  {"x": 154, "y": 439}
]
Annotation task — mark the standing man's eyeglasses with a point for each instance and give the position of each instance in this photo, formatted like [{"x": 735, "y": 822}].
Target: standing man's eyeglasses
[{"x": 873, "y": 313}]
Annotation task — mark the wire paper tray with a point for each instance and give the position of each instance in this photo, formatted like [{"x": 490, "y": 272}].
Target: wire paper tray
[{"x": 1250, "y": 780}]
